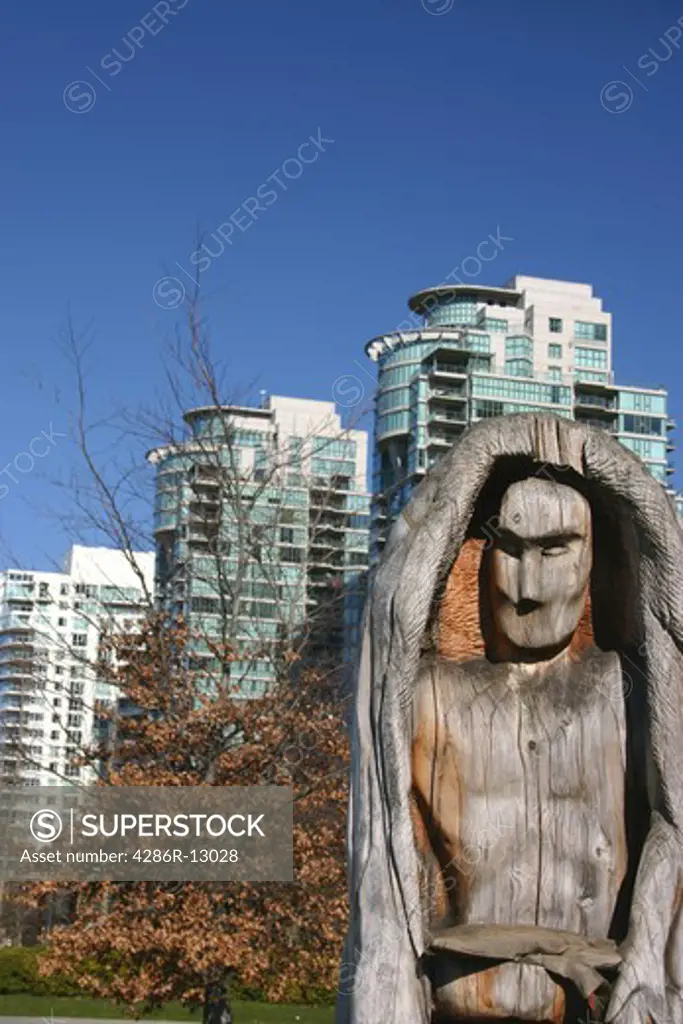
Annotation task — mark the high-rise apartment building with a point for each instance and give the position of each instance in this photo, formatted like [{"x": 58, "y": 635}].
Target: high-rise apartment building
[
  {"x": 534, "y": 345},
  {"x": 50, "y": 628},
  {"x": 262, "y": 522}
]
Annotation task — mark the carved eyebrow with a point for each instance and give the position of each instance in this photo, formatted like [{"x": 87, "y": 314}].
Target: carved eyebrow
[
  {"x": 557, "y": 539},
  {"x": 547, "y": 539}
]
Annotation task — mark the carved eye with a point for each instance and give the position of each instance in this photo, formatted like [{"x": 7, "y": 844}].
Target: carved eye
[
  {"x": 509, "y": 545},
  {"x": 555, "y": 550}
]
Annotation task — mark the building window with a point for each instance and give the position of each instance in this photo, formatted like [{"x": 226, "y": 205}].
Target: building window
[
  {"x": 474, "y": 342},
  {"x": 209, "y": 605},
  {"x": 400, "y": 375},
  {"x": 291, "y": 555},
  {"x": 554, "y": 373},
  {"x": 594, "y": 358},
  {"x": 518, "y": 347},
  {"x": 393, "y": 399},
  {"x": 79, "y": 639},
  {"x": 641, "y": 425},
  {"x": 518, "y": 367},
  {"x": 486, "y": 409},
  {"x": 521, "y": 391},
  {"x": 460, "y": 311},
  {"x": 590, "y": 332},
  {"x": 646, "y": 448},
  {"x": 640, "y": 402},
  {"x": 554, "y": 350},
  {"x": 591, "y": 376},
  {"x": 334, "y": 449},
  {"x": 493, "y": 324},
  {"x": 555, "y": 325},
  {"x": 392, "y": 422}
]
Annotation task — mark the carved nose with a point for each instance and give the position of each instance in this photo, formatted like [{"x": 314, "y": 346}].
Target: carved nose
[
  {"x": 528, "y": 582},
  {"x": 527, "y": 605}
]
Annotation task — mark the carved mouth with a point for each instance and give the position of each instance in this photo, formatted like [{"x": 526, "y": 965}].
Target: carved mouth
[{"x": 527, "y": 606}]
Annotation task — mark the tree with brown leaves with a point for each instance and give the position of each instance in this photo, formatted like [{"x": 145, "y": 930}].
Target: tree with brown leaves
[
  {"x": 146, "y": 943},
  {"x": 184, "y": 719}
]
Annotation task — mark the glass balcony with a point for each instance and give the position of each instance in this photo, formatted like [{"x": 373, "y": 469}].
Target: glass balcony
[
  {"x": 13, "y": 621},
  {"x": 448, "y": 394},
  {"x": 445, "y": 416},
  {"x": 596, "y": 403},
  {"x": 441, "y": 439},
  {"x": 599, "y": 424}
]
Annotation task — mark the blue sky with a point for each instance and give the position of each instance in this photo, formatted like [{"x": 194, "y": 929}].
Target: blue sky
[{"x": 449, "y": 120}]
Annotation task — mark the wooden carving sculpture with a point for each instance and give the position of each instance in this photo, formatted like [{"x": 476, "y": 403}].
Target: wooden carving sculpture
[{"x": 517, "y": 774}]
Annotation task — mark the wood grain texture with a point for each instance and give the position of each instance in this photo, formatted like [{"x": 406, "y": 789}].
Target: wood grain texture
[
  {"x": 520, "y": 776},
  {"x": 460, "y": 635},
  {"x": 524, "y": 784},
  {"x": 524, "y": 992},
  {"x": 636, "y": 612},
  {"x": 650, "y": 979}
]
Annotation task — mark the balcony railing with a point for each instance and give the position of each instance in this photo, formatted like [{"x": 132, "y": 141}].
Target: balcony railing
[
  {"x": 584, "y": 376},
  {"x": 13, "y": 621},
  {"x": 442, "y": 416},
  {"x": 451, "y": 369},
  {"x": 448, "y": 394},
  {"x": 599, "y": 424},
  {"x": 596, "y": 402},
  {"x": 437, "y": 437}
]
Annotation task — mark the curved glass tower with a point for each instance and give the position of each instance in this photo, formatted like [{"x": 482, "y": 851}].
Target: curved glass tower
[
  {"x": 261, "y": 526},
  {"x": 469, "y": 352}
]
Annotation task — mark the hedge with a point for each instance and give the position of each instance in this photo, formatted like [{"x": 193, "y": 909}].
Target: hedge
[{"x": 19, "y": 973}]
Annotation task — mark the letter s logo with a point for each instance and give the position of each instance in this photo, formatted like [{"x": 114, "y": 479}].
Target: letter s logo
[{"x": 46, "y": 826}]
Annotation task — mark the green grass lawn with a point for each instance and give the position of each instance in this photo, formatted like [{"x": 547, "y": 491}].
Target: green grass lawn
[{"x": 244, "y": 1013}]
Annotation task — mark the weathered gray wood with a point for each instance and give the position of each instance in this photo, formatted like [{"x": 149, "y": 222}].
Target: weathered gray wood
[
  {"x": 539, "y": 567},
  {"x": 649, "y": 981},
  {"x": 577, "y": 746},
  {"x": 566, "y": 954},
  {"x": 520, "y": 765},
  {"x": 520, "y": 773}
]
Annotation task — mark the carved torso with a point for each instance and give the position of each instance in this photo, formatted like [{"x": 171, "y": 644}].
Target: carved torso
[{"x": 519, "y": 775}]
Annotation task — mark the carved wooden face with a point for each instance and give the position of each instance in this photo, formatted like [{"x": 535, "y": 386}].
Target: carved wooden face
[{"x": 540, "y": 563}]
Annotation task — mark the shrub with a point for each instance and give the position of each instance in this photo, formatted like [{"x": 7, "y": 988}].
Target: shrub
[{"x": 19, "y": 973}]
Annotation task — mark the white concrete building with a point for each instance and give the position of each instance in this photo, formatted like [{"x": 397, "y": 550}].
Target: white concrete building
[{"x": 50, "y": 627}]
